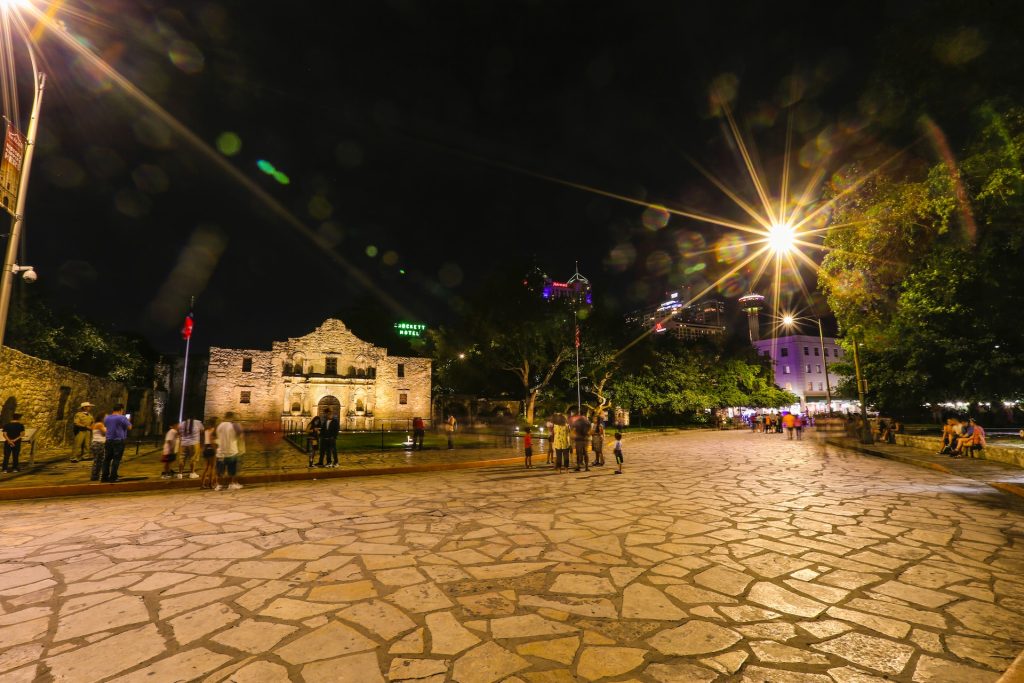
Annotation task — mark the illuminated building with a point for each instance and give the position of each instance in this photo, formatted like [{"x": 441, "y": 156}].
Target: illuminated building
[
  {"x": 576, "y": 289},
  {"x": 701, "y": 320},
  {"x": 800, "y": 369}
]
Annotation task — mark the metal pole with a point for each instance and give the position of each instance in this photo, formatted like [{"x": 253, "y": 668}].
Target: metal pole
[
  {"x": 865, "y": 434},
  {"x": 824, "y": 361},
  {"x": 184, "y": 377},
  {"x": 7, "y": 277}
]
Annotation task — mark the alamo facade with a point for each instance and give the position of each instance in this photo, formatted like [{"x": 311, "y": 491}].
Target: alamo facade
[{"x": 328, "y": 369}]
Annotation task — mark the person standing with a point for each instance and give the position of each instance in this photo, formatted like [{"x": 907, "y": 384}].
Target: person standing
[
  {"x": 329, "y": 439},
  {"x": 117, "y": 427},
  {"x": 170, "y": 452},
  {"x": 209, "y": 476},
  {"x": 789, "y": 422},
  {"x": 581, "y": 435},
  {"x": 597, "y": 442},
  {"x": 316, "y": 444},
  {"x": 99, "y": 442},
  {"x": 14, "y": 431},
  {"x": 560, "y": 442},
  {"x": 230, "y": 445},
  {"x": 449, "y": 428},
  {"x": 799, "y": 424},
  {"x": 528, "y": 449},
  {"x": 618, "y": 452},
  {"x": 191, "y": 434},
  {"x": 82, "y": 428},
  {"x": 419, "y": 430}
]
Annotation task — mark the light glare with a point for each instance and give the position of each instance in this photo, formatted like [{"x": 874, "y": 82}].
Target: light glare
[{"x": 782, "y": 238}]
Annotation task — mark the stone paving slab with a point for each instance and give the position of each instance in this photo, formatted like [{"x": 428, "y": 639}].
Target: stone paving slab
[
  {"x": 1000, "y": 475},
  {"x": 716, "y": 556}
]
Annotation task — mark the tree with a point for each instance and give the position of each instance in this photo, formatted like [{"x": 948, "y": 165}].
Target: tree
[
  {"x": 69, "y": 340},
  {"x": 927, "y": 274}
]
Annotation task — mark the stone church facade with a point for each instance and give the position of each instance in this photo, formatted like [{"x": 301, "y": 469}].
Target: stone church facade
[{"x": 330, "y": 368}]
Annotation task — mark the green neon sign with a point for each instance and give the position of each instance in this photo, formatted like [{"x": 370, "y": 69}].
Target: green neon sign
[{"x": 404, "y": 329}]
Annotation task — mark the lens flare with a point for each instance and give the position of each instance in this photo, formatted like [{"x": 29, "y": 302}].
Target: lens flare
[{"x": 782, "y": 238}]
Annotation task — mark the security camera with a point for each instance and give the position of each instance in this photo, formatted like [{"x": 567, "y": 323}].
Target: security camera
[{"x": 28, "y": 274}]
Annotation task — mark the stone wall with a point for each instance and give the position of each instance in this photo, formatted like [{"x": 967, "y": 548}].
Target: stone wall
[
  {"x": 329, "y": 367},
  {"x": 48, "y": 395},
  {"x": 1010, "y": 455}
]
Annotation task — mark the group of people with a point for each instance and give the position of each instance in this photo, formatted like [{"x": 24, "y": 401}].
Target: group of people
[
  {"x": 771, "y": 423},
  {"x": 323, "y": 433},
  {"x": 221, "y": 443},
  {"x": 961, "y": 439},
  {"x": 575, "y": 432}
]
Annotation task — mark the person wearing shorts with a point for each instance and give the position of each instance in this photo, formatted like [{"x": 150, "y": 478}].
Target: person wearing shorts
[
  {"x": 170, "y": 451},
  {"x": 528, "y": 448},
  {"x": 190, "y": 431},
  {"x": 618, "y": 452},
  {"x": 208, "y": 480},
  {"x": 230, "y": 446}
]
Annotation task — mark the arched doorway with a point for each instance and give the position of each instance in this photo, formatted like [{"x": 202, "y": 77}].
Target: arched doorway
[{"x": 330, "y": 403}]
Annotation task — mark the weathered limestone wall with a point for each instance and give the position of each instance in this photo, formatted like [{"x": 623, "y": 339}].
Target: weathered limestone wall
[
  {"x": 226, "y": 380},
  {"x": 36, "y": 388},
  {"x": 328, "y": 367}
]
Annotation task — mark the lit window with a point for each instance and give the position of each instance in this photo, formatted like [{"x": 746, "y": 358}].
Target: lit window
[
  {"x": 246, "y": 397},
  {"x": 247, "y": 365},
  {"x": 784, "y": 351},
  {"x": 807, "y": 368},
  {"x": 810, "y": 386},
  {"x": 331, "y": 366},
  {"x": 819, "y": 369},
  {"x": 401, "y": 370},
  {"x": 785, "y": 369},
  {"x": 403, "y": 399},
  {"x": 821, "y": 387},
  {"x": 789, "y": 386}
]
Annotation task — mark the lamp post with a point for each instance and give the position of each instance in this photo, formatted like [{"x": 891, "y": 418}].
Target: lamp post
[
  {"x": 10, "y": 267},
  {"x": 824, "y": 361},
  {"x": 865, "y": 432}
]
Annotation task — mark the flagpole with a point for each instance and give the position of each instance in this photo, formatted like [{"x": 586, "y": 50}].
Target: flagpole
[{"x": 184, "y": 370}]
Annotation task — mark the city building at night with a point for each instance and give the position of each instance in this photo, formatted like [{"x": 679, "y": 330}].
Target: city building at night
[
  {"x": 328, "y": 369},
  {"x": 800, "y": 368},
  {"x": 701, "y": 320}
]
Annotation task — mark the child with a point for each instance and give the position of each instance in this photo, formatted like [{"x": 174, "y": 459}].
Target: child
[
  {"x": 170, "y": 451},
  {"x": 528, "y": 448},
  {"x": 618, "y": 452},
  {"x": 209, "y": 476}
]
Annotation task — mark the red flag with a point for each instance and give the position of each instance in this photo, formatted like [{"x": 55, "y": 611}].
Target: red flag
[{"x": 186, "y": 329}]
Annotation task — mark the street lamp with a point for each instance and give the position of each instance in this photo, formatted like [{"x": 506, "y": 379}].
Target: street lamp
[
  {"x": 10, "y": 268},
  {"x": 865, "y": 432}
]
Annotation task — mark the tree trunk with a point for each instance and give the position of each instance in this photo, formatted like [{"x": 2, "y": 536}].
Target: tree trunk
[{"x": 531, "y": 403}]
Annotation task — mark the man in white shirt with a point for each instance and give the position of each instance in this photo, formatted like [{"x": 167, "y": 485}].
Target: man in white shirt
[
  {"x": 190, "y": 433},
  {"x": 230, "y": 445}
]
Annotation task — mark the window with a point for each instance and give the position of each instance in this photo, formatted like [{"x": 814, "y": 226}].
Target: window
[
  {"x": 331, "y": 366},
  {"x": 789, "y": 386},
  {"x": 785, "y": 370},
  {"x": 783, "y": 352},
  {"x": 838, "y": 353},
  {"x": 807, "y": 368},
  {"x": 816, "y": 351},
  {"x": 403, "y": 399},
  {"x": 247, "y": 365},
  {"x": 245, "y": 397},
  {"x": 62, "y": 401},
  {"x": 401, "y": 370},
  {"x": 821, "y": 387},
  {"x": 287, "y": 368},
  {"x": 819, "y": 369},
  {"x": 806, "y": 351},
  {"x": 810, "y": 386}
]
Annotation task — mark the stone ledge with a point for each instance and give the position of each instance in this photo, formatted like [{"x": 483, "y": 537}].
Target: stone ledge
[{"x": 1006, "y": 454}]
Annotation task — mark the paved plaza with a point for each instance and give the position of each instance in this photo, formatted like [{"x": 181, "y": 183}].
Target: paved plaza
[{"x": 717, "y": 556}]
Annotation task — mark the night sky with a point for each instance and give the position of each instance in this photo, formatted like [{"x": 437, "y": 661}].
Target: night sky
[{"x": 400, "y": 126}]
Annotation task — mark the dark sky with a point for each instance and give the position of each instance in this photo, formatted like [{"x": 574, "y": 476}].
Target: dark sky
[{"x": 396, "y": 123}]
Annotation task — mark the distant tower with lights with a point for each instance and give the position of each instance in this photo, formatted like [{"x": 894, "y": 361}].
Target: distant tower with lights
[{"x": 753, "y": 304}]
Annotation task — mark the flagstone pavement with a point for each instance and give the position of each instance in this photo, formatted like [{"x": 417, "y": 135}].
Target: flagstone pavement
[{"x": 717, "y": 556}]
